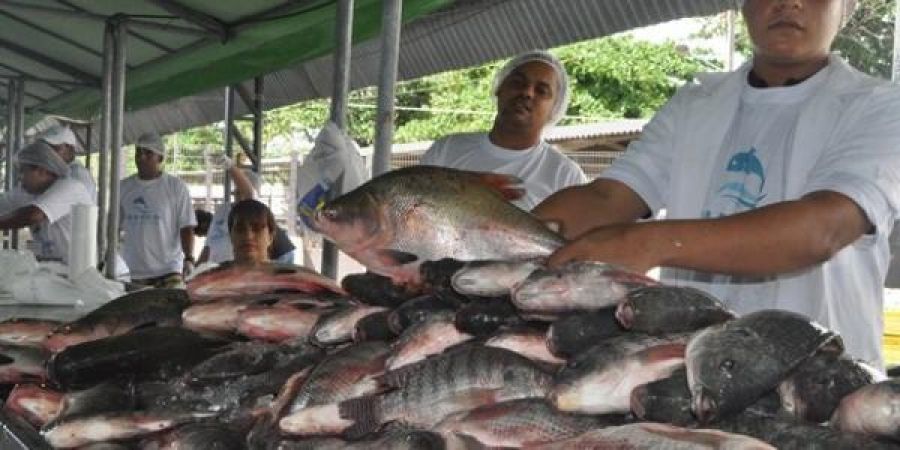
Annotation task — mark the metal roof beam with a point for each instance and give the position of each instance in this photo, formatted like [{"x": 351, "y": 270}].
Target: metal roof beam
[
  {"x": 199, "y": 18},
  {"x": 50, "y": 32},
  {"x": 49, "y": 9},
  {"x": 50, "y": 62},
  {"x": 272, "y": 12},
  {"x": 167, "y": 27},
  {"x": 54, "y": 83},
  {"x": 26, "y": 75}
]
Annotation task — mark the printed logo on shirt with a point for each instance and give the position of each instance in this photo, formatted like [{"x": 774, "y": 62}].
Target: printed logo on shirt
[
  {"x": 743, "y": 187},
  {"x": 141, "y": 212}
]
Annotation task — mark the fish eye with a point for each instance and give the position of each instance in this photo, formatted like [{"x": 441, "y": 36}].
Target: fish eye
[{"x": 726, "y": 365}]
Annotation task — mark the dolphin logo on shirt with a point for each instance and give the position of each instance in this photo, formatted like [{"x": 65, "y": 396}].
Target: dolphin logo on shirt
[{"x": 748, "y": 164}]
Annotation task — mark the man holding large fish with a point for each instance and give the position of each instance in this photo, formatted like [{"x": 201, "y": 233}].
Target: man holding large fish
[{"x": 779, "y": 181}]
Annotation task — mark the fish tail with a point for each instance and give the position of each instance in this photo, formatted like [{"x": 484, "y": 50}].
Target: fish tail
[{"x": 365, "y": 412}]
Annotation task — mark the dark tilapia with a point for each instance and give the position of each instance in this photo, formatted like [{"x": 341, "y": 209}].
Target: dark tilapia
[
  {"x": 522, "y": 422},
  {"x": 394, "y": 222},
  {"x": 376, "y": 290},
  {"x": 20, "y": 364},
  {"x": 872, "y": 410},
  {"x": 789, "y": 434},
  {"x": 100, "y": 399},
  {"x": 814, "y": 389},
  {"x": 152, "y": 353},
  {"x": 374, "y": 327},
  {"x": 484, "y": 317},
  {"x": 198, "y": 436},
  {"x": 345, "y": 374},
  {"x": 417, "y": 310},
  {"x": 730, "y": 366},
  {"x": 669, "y": 400},
  {"x": 578, "y": 286},
  {"x": 230, "y": 280},
  {"x": 573, "y": 333},
  {"x": 239, "y": 359},
  {"x": 31, "y": 332},
  {"x": 600, "y": 380},
  {"x": 670, "y": 309},
  {"x": 426, "y": 392},
  {"x": 148, "y": 307},
  {"x": 401, "y": 440},
  {"x": 656, "y": 436}
]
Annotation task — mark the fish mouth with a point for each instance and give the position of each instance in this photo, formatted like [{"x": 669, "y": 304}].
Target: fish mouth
[
  {"x": 704, "y": 406},
  {"x": 625, "y": 315}
]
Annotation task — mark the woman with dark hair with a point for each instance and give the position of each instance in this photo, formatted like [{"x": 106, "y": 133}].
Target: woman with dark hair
[{"x": 252, "y": 229}]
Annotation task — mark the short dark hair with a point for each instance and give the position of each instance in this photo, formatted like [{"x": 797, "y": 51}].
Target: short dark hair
[
  {"x": 204, "y": 219},
  {"x": 251, "y": 210}
]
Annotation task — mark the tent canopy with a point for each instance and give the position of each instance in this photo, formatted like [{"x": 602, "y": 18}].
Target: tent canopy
[{"x": 181, "y": 52}]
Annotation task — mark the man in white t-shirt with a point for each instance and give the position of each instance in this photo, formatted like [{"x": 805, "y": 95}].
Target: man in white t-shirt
[
  {"x": 157, "y": 219},
  {"x": 781, "y": 182},
  {"x": 66, "y": 145},
  {"x": 532, "y": 95},
  {"x": 43, "y": 202}
]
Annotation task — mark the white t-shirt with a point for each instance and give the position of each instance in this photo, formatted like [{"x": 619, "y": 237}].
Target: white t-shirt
[
  {"x": 153, "y": 214},
  {"x": 543, "y": 169},
  {"x": 749, "y": 172},
  {"x": 80, "y": 173},
  {"x": 51, "y": 237},
  {"x": 846, "y": 140}
]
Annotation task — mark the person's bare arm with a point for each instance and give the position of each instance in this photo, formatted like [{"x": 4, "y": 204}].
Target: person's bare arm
[
  {"x": 22, "y": 217},
  {"x": 242, "y": 186},
  {"x": 779, "y": 238},
  {"x": 204, "y": 255},
  {"x": 187, "y": 241},
  {"x": 602, "y": 202}
]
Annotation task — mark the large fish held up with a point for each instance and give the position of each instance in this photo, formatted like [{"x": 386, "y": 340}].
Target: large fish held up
[{"x": 394, "y": 222}]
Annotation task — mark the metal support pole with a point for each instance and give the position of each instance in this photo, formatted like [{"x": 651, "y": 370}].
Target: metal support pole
[
  {"x": 339, "y": 98},
  {"x": 88, "y": 141},
  {"x": 117, "y": 33},
  {"x": 729, "y": 62},
  {"x": 390, "y": 55},
  {"x": 229, "y": 140},
  {"x": 105, "y": 148},
  {"x": 14, "y": 138},
  {"x": 258, "y": 86},
  {"x": 896, "y": 72}
]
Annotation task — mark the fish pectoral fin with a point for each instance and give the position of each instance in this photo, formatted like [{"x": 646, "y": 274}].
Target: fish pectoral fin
[
  {"x": 504, "y": 185},
  {"x": 390, "y": 257}
]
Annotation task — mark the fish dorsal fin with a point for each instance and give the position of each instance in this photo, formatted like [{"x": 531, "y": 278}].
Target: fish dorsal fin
[{"x": 505, "y": 185}]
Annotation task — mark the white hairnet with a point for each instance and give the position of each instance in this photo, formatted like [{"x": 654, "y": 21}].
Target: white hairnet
[
  {"x": 59, "y": 134},
  {"x": 42, "y": 155},
  {"x": 152, "y": 142},
  {"x": 561, "y": 101}
]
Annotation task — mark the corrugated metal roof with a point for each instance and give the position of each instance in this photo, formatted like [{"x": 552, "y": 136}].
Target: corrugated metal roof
[{"x": 470, "y": 32}]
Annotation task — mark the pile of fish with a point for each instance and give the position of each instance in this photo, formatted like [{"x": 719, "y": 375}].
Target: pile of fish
[{"x": 449, "y": 342}]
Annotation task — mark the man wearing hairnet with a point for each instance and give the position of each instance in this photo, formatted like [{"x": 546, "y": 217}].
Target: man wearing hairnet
[
  {"x": 532, "y": 95},
  {"x": 43, "y": 202},
  {"x": 780, "y": 181},
  {"x": 65, "y": 143},
  {"x": 157, "y": 219}
]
